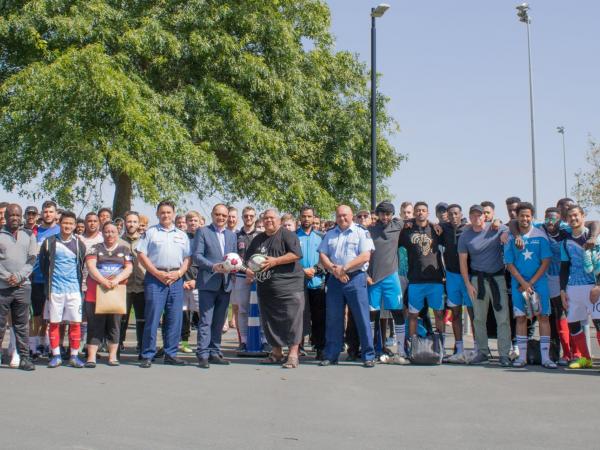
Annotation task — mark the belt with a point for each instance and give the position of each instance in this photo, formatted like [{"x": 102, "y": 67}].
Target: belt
[
  {"x": 356, "y": 272},
  {"x": 164, "y": 269},
  {"x": 494, "y": 288}
]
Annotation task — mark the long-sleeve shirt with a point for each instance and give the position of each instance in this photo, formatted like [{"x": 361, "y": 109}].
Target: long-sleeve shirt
[{"x": 17, "y": 255}]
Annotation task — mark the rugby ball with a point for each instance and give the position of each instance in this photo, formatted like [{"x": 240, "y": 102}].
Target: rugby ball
[{"x": 232, "y": 262}]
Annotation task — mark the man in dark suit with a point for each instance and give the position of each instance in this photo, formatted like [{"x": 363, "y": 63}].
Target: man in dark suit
[{"x": 214, "y": 285}]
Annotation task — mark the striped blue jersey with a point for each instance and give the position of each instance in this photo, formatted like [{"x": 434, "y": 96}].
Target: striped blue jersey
[
  {"x": 572, "y": 251},
  {"x": 64, "y": 275},
  {"x": 528, "y": 260},
  {"x": 555, "y": 245}
]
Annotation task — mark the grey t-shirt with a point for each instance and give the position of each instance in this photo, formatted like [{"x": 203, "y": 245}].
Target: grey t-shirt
[
  {"x": 384, "y": 260},
  {"x": 484, "y": 248}
]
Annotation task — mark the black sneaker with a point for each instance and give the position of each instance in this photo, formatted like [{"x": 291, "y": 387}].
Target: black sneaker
[
  {"x": 26, "y": 364},
  {"x": 173, "y": 361},
  {"x": 146, "y": 363},
  {"x": 369, "y": 363},
  {"x": 327, "y": 362},
  {"x": 219, "y": 360}
]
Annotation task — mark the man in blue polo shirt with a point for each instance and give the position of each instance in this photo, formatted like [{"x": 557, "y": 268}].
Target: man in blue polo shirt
[
  {"x": 527, "y": 267},
  {"x": 314, "y": 288},
  {"x": 165, "y": 253}
]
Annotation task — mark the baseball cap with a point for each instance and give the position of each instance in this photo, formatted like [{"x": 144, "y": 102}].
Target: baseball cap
[
  {"x": 31, "y": 209},
  {"x": 363, "y": 212},
  {"x": 385, "y": 207},
  {"x": 441, "y": 207},
  {"x": 476, "y": 208}
]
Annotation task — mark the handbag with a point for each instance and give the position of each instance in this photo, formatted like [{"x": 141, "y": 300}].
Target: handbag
[
  {"x": 426, "y": 350},
  {"x": 111, "y": 301}
]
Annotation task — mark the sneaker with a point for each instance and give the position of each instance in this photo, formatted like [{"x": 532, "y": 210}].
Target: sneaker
[
  {"x": 549, "y": 364},
  {"x": 75, "y": 362},
  {"x": 519, "y": 363},
  {"x": 457, "y": 358},
  {"x": 14, "y": 361},
  {"x": 505, "y": 361},
  {"x": 398, "y": 360},
  {"x": 513, "y": 354},
  {"x": 55, "y": 361},
  {"x": 185, "y": 348},
  {"x": 26, "y": 365},
  {"x": 479, "y": 358},
  {"x": 563, "y": 362},
  {"x": 581, "y": 363}
]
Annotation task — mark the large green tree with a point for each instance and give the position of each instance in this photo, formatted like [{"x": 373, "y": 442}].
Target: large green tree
[
  {"x": 587, "y": 188},
  {"x": 241, "y": 99}
]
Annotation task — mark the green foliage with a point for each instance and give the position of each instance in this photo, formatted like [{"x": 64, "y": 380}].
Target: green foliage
[
  {"x": 587, "y": 189},
  {"x": 246, "y": 99}
]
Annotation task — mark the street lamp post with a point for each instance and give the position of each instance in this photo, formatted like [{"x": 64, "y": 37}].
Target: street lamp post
[
  {"x": 376, "y": 12},
  {"x": 522, "y": 13},
  {"x": 561, "y": 130}
]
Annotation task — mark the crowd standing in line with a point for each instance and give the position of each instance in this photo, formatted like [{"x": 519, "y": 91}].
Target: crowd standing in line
[{"x": 363, "y": 283}]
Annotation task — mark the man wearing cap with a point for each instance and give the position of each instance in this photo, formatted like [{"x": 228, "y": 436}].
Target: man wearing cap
[
  {"x": 441, "y": 212},
  {"x": 482, "y": 246},
  {"x": 384, "y": 284},
  {"x": 345, "y": 253},
  {"x": 164, "y": 251},
  {"x": 31, "y": 217}
]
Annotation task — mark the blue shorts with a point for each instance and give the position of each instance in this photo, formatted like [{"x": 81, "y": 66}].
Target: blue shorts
[
  {"x": 541, "y": 287},
  {"x": 434, "y": 292},
  {"x": 456, "y": 291},
  {"x": 387, "y": 291}
]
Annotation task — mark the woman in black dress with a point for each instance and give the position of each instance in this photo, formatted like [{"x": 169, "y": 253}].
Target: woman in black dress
[{"x": 280, "y": 289}]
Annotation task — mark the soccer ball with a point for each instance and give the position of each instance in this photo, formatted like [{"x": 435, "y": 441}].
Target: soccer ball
[
  {"x": 255, "y": 262},
  {"x": 232, "y": 262}
]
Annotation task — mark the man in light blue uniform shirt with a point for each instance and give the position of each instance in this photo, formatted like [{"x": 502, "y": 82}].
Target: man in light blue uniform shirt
[
  {"x": 345, "y": 252},
  {"x": 165, "y": 253},
  {"x": 314, "y": 309}
]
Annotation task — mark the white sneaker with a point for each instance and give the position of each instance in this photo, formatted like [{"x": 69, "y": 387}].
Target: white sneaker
[
  {"x": 519, "y": 363},
  {"x": 15, "y": 360},
  {"x": 549, "y": 364},
  {"x": 513, "y": 354},
  {"x": 457, "y": 358}
]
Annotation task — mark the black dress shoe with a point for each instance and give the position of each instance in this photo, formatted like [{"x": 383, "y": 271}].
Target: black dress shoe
[
  {"x": 370, "y": 363},
  {"x": 319, "y": 356},
  {"x": 26, "y": 364},
  {"x": 173, "y": 361},
  {"x": 203, "y": 363},
  {"x": 146, "y": 363},
  {"x": 327, "y": 362},
  {"x": 218, "y": 359}
]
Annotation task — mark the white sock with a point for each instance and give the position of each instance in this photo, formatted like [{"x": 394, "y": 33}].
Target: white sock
[
  {"x": 545, "y": 348},
  {"x": 56, "y": 351},
  {"x": 33, "y": 343},
  {"x": 74, "y": 352},
  {"x": 459, "y": 347},
  {"x": 400, "y": 332},
  {"x": 522, "y": 345}
]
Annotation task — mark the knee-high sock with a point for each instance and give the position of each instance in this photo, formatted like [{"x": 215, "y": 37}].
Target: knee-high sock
[
  {"x": 545, "y": 348},
  {"x": 580, "y": 345},
  {"x": 54, "y": 335},
  {"x": 564, "y": 336},
  {"x": 74, "y": 337}
]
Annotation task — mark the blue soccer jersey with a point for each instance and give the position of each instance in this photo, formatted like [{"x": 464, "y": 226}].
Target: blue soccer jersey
[
  {"x": 555, "y": 245},
  {"x": 528, "y": 260},
  {"x": 42, "y": 235},
  {"x": 64, "y": 275},
  {"x": 572, "y": 251}
]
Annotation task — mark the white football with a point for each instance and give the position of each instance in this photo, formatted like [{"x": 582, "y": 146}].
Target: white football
[
  {"x": 255, "y": 262},
  {"x": 232, "y": 262}
]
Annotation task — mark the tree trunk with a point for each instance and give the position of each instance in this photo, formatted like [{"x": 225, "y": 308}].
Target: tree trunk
[{"x": 123, "y": 193}]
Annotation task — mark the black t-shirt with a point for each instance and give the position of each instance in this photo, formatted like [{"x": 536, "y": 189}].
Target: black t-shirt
[
  {"x": 244, "y": 240},
  {"x": 424, "y": 256},
  {"x": 285, "y": 278},
  {"x": 449, "y": 239},
  {"x": 384, "y": 260}
]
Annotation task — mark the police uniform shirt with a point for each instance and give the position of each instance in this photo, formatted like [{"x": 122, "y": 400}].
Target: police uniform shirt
[
  {"x": 343, "y": 246},
  {"x": 166, "y": 248}
]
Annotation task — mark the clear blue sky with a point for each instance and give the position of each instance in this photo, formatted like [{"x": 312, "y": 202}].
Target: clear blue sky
[{"x": 456, "y": 74}]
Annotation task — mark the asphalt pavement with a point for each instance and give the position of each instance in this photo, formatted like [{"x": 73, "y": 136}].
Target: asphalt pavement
[{"x": 248, "y": 406}]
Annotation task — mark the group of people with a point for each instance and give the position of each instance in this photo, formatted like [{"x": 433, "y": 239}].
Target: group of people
[{"x": 344, "y": 285}]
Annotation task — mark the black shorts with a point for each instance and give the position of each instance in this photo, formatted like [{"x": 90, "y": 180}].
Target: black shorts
[{"x": 38, "y": 299}]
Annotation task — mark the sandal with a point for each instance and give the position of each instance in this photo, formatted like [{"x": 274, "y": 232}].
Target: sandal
[
  {"x": 113, "y": 363},
  {"x": 90, "y": 365},
  {"x": 272, "y": 359},
  {"x": 291, "y": 363}
]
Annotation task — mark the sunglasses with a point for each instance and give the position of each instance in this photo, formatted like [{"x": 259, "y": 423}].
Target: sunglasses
[{"x": 363, "y": 216}]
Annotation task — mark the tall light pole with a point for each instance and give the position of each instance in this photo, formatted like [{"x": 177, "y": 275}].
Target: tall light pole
[
  {"x": 561, "y": 130},
  {"x": 376, "y": 12},
  {"x": 522, "y": 13}
]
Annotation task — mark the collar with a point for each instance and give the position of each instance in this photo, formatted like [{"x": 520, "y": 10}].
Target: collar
[
  {"x": 171, "y": 228},
  {"x": 300, "y": 231},
  {"x": 217, "y": 229},
  {"x": 131, "y": 238},
  {"x": 350, "y": 229}
]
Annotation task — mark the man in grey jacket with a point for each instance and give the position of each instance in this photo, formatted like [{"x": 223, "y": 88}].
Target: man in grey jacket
[{"x": 18, "y": 250}]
